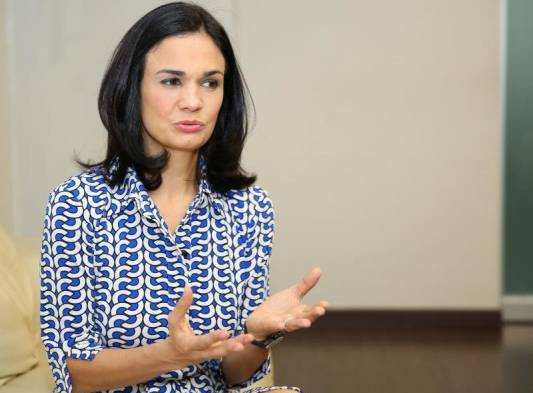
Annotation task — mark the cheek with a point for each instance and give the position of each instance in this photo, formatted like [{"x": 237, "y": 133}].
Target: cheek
[
  {"x": 156, "y": 104},
  {"x": 217, "y": 104}
]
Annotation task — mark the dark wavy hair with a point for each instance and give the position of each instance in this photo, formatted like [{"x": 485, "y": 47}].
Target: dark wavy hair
[{"x": 119, "y": 102}]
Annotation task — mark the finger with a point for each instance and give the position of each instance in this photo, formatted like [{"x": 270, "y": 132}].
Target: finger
[
  {"x": 234, "y": 344},
  {"x": 319, "y": 311},
  {"x": 221, "y": 337},
  {"x": 182, "y": 306},
  {"x": 244, "y": 338},
  {"x": 208, "y": 340},
  {"x": 223, "y": 350},
  {"x": 305, "y": 313},
  {"x": 297, "y": 323},
  {"x": 308, "y": 282},
  {"x": 315, "y": 314},
  {"x": 312, "y": 312}
]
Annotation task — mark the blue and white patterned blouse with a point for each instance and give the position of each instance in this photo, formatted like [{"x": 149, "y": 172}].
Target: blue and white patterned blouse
[{"x": 111, "y": 272}]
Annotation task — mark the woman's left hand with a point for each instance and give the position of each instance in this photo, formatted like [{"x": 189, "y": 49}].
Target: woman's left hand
[{"x": 285, "y": 311}]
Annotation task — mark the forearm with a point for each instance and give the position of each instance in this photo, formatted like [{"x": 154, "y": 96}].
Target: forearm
[
  {"x": 239, "y": 366},
  {"x": 114, "y": 368}
]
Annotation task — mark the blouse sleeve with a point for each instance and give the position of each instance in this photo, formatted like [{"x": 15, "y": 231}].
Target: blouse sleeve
[
  {"x": 257, "y": 276},
  {"x": 67, "y": 298}
]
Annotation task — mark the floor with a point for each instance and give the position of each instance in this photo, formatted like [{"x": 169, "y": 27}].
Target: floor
[{"x": 435, "y": 360}]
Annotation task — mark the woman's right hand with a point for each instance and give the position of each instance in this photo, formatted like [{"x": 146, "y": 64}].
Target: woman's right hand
[{"x": 186, "y": 348}]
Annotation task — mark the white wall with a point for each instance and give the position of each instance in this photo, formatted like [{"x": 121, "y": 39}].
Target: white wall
[{"x": 378, "y": 134}]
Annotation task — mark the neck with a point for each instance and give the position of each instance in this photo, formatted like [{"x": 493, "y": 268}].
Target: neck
[{"x": 179, "y": 176}]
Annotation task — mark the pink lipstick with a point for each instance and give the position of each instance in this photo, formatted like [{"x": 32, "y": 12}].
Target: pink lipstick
[{"x": 189, "y": 125}]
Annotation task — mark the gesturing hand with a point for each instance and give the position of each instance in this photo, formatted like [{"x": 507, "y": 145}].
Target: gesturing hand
[
  {"x": 187, "y": 348},
  {"x": 285, "y": 310}
]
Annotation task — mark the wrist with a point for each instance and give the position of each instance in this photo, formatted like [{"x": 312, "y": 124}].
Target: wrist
[
  {"x": 260, "y": 336},
  {"x": 267, "y": 342},
  {"x": 165, "y": 353}
]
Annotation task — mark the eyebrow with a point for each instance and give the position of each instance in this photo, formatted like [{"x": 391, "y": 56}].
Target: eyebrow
[{"x": 182, "y": 73}]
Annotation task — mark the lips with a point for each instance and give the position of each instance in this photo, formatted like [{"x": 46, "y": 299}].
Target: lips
[
  {"x": 189, "y": 126},
  {"x": 190, "y": 122}
]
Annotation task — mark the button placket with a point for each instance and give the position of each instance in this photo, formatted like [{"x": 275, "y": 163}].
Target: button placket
[{"x": 184, "y": 244}]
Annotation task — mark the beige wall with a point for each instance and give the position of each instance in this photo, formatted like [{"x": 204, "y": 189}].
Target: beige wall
[
  {"x": 379, "y": 138},
  {"x": 378, "y": 134},
  {"x": 58, "y": 62},
  {"x": 6, "y": 184}
]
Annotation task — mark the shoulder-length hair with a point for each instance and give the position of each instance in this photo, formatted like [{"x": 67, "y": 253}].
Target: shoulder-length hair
[{"x": 119, "y": 102}]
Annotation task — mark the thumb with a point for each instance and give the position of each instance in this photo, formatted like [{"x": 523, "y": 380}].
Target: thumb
[
  {"x": 308, "y": 282},
  {"x": 183, "y": 305}
]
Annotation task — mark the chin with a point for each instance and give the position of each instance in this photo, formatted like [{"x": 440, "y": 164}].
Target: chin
[
  {"x": 189, "y": 142},
  {"x": 185, "y": 147}
]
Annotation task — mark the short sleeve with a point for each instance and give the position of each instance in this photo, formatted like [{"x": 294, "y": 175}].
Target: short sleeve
[
  {"x": 256, "y": 288},
  {"x": 67, "y": 295}
]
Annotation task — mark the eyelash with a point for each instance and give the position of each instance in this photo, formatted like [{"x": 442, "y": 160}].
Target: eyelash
[{"x": 171, "y": 82}]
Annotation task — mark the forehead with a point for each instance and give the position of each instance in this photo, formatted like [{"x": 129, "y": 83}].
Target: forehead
[{"x": 192, "y": 52}]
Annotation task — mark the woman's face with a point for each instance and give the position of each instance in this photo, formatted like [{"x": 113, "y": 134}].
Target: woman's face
[{"x": 182, "y": 81}]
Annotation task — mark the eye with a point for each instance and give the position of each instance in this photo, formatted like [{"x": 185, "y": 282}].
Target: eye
[
  {"x": 170, "y": 82},
  {"x": 212, "y": 83}
]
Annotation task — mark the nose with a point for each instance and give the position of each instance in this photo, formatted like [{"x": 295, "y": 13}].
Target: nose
[{"x": 190, "y": 98}]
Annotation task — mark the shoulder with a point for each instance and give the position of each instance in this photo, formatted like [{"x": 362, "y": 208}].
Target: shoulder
[
  {"x": 253, "y": 209},
  {"x": 79, "y": 189},
  {"x": 252, "y": 200}
]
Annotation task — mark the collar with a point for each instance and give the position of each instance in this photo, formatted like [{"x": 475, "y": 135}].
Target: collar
[{"x": 132, "y": 188}]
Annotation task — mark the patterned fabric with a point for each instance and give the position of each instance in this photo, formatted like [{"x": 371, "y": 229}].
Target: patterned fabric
[
  {"x": 111, "y": 272},
  {"x": 272, "y": 389}
]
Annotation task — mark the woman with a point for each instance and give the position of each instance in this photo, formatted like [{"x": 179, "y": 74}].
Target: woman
[{"x": 154, "y": 264}]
